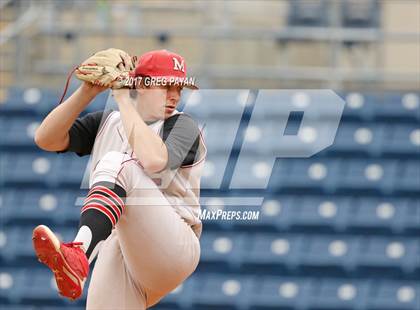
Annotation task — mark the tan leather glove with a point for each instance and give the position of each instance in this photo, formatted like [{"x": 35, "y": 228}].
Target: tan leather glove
[{"x": 108, "y": 67}]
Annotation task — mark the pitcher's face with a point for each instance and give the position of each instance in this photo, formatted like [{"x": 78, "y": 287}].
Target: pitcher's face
[{"x": 159, "y": 102}]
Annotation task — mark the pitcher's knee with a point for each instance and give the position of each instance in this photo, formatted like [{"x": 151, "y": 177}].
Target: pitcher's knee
[{"x": 108, "y": 167}]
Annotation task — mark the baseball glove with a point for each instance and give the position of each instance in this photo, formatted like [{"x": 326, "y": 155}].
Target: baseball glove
[{"x": 108, "y": 67}]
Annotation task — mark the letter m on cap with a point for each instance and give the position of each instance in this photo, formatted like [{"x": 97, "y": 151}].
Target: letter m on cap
[{"x": 178, "y": 66}]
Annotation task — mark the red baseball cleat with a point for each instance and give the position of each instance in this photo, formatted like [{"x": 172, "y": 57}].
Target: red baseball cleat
[{"x": 67, "y": 260}]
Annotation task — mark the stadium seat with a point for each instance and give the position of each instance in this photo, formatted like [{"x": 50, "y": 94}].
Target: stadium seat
[
  {"x": 358, "y": 140},
  {"x": 18, "y": 242},
  {"x": 309, "y": 174},
  {"x": 276, "y": 213},
  {"x": 211, "y": 104},
  {"x": 18, "y": 132},
  {"x": 327, "y": 214},
  {"x": 374, "y": 215},
  {"x": 213, "y": 171},
  {"x": 273, "y": 253},
  {"x": 283, "y": 105},
  {"x": 359, "y": 106},
  {"x": 393, "y": 255},
  {"x": 46, "y": 169},
  {"x": 20, "y": 307},
  {"x": 370, "y": 176},
  {"x": 280, "y": 293},
  {"x": 222, "y": 250},
  {"x": 269, "y": 137},
  {"x": 30, "y": 101},
  {"x": 39, "y": 206},
  {"x": 180, "y": 297},
  {"x": 332, "y": 254},
  {"x": 357, "y": 14},
  {"x": 411, "y": 222},
  {"x": 390, "y": 295},
  {"x": 71, "y": 169},
  {"x": 408, "y": 180},
  {"x": 30, "y": 169},
  {"x": 222, "y": 292},
  {"x": 252, "y": 172},
  {"x": 401, "y": 140},
  {"x": 308, "y": 13},
  {"x": 338, "y": 294},
  {"x": 397, "y": 107},
  {"x": 42, "y": 286},
  {"x": 219, "y": 136},
  {"x": 11, "y": 284}
]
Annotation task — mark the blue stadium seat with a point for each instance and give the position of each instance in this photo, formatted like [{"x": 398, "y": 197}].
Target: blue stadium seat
[
  {"x": 381, "y": 107},
  {"x": 219, "y": 136},
  {"x": 222, "y": 292},
  {"x": 20, "y": 307},
  {"x": 312, "y": 213},
  {"x": 31, "y": 101},
  {"x": 12, "y": 280},
  {"x": 402, "y": 139},
  {"x": 280, "y": 293},
  {"x": 310, "y": 174},
  {"x": 397, "y": 107},
  {"x": 213, "y": 171},
  {"x": 359, "y": 106},
  {"x": 252, "y": 172},
  {"x": 41, "y": 286},
  {"x": 390, "y": 295},
  {"x": 180, "y": 297},
  {"x": 408, "y": 179},
  {"x": 211, "y": 104},
  {"x": 69, "y": 306},
  {"x": 397, "y": 255},
  {"x": 338, "y": 294},
  {"x": 18, "y": 244},
  {"x": 264, "y": 138},
  {"x": 277, "y": 213},
  {"x": 44, "y": 168},
  {"x": 34, "y": 169},
  {"x": 368, "y": 214},
  {"x": 70, "y": 169},
  {"x": 70, "y": 211},
  {"x": 358, "y": 139},
  {"x": 222, "y": 249},
  {"x": 18, "y": 132},
  {"x": 335, "y": 254},
  {"x": 412, "y": 216},
  {"x": 39, "y": 102},
  {"x": 373, "y": 176},
  {"x": 36, "y": 206},
  {"x": 273, "y": 252},
  {"x": 274, "y": 105}
]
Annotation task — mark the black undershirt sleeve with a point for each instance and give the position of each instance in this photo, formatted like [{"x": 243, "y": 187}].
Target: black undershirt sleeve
[
  {"x": 181, "y": 136},
  {"x": 83, "y": 132}
]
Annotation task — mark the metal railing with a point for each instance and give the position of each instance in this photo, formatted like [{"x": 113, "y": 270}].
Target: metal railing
[{"x": 46, "y": 18}]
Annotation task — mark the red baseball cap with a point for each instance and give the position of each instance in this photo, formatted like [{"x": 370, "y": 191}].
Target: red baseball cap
[{"x": 165, "y": 67}]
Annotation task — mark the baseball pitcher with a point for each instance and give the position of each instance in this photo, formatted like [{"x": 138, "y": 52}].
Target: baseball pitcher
[{"x": 140, "y": 216}]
